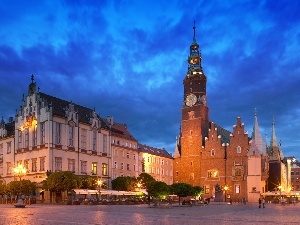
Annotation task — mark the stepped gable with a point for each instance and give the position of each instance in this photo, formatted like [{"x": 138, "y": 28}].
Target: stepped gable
[
  {"x": 154, "y": 151},
  {"x": 58, "y": 108}
]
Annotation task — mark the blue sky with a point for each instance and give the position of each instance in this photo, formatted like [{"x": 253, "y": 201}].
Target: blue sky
[{"x": 128, "y": 59}]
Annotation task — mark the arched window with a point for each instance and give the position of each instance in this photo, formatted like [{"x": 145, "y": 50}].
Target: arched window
[
  {"x": 212, "y": 152},
  {"x": 238, "y": 149}
]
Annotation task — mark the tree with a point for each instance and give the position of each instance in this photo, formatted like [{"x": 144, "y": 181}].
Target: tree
[
  {"x": 2, "y": 189},
  {"x": 13, "y": 188},
  {"x": 158, "y": 189},
  {"x": 196, "y": 191},
  {"x": 87, "y": 182},
  {"x": 61, "y": 181},
  {"x": 145, "y": 180},
  {"x": 27, "y": 187},
  {"x": 123, "y": 183},
  {"x": 182, "y": 189}
]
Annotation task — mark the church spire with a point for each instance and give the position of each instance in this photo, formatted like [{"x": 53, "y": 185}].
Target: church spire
[
  {"x": 273, "y": 142},
  {"x": 258, "y": 145},
  {"x": 194, "y": 59}
]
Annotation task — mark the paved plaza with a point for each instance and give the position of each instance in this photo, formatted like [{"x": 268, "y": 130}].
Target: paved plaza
[{"x": 250, "y": 214}]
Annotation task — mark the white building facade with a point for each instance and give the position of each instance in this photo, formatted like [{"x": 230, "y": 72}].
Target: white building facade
[{"x": 50, "y": 134}]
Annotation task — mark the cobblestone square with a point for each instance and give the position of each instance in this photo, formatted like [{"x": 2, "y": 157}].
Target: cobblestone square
[{"x": 39, "y": 214}]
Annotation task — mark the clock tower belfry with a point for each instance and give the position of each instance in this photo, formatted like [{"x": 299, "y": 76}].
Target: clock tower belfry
[{"x": 194, "y": 120}]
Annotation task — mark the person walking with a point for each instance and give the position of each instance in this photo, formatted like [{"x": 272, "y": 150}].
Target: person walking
[
  {"x": 259, "y": 203},
  {"x": 263, "y": 202}
]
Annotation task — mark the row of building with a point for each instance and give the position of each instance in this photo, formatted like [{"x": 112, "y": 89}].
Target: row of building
[{"x": 49, "y": 134}]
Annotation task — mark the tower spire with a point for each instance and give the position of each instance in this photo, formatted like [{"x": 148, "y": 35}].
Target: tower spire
[
  {"x": 273, "y": 142},
  {"x": 194, "y": 27},
  {"x": 256, "y": 138}
]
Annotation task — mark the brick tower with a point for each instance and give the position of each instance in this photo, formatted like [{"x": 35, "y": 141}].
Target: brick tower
[{"x": 194, "y": 121}]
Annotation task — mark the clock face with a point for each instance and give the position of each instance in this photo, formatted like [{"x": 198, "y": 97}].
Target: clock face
[
  {"x": 191, "y": 99},
  {"x": 194, "y": 60}
]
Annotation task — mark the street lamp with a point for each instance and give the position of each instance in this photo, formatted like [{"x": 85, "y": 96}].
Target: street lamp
[
  {"x": 19, "y": 171},
  {"x": 225, "y": 189},
  {"x": 99, "y": 182}
]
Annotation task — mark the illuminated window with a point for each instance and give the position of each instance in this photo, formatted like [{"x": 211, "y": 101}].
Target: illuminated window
[
  {"x": 206, "y": 189},
  {"x": 213, "y": 174},
  {"x": 237, "y": 189},
  {"x": 94, "y": 168},
  {"x": 104, "y": 169}
]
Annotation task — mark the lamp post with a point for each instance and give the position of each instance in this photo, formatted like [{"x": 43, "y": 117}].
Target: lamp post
[
  {"x": 139, "y": 185},
  {"x": 99, "y": 182},
  {"x": 19, "y": 171},
  {"x": 225, "y": 189}
]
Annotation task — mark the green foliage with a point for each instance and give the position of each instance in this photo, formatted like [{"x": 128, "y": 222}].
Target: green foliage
[
  {"x": 158, "y": 189},
  {"x": 145, "y": 179},
  {"x": 25, "y": 187},
  {"x": 124, "y": 183},
  {"x": 182, "y": 189},
  {"x": 88, "y": 182},
  {"x": 28, "y": 187},
  {"x": 61, "y": 181},
  {"x": 2, "y": 189},
  {"x": 196, "y": 191},
  {"x": 13, "y": 188}
]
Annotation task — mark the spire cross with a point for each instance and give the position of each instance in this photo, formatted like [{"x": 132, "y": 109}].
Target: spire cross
[
  {"x": 32, "y": 78},
  {"x": 194, "y": 27}
]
